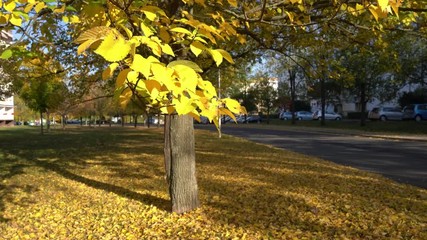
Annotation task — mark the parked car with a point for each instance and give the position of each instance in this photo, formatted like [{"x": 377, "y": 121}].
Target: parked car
[
  {"x": 385, "y": 113},
  {"x": 417, "y": 112},
  {"x": 304, "y": 115},
  {"x": 248, "y": 119},
  {"x": 286, "y": 115},
  {"x": 317, "y": 115}
]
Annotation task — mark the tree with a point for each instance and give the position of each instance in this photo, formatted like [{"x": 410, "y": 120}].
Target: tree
[
  {"x": 263, "y": 93},
  {"x": 39, "y": 86},
  {"x": 417, "y": 96},
  {"x": 154, "y": 47}
]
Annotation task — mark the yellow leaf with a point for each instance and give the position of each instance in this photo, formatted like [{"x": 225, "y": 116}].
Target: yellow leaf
[
  {"x": 167, "y": 110},
  {"x": 186, "y": 63},
  {"x": 180, "y": 30},
  {"x": 4, "y": 18},
  {"x": 167, "y": 49},
  {"x": 121, "y": 78},
  {"x": 141, "y": 65},
  {"x": 156, "y": 10},
  {"x": 232, "y": 105},
  {"x": 114, "y": 47},
  {"x": 125, "y": 97},
  {"x": 108, "y": 72},
  {"x": 65, "y": 19},
  {"x": 395, "y": 6},
  {"x": 163, "y": 75},
  {"x": 127, "y": 31},
  {"x": 217, "y": 56},
  {"x": 232, "y": 3},
  {"x": 74, "y": 19},
  {"x": 184, "y": 105},
  {"x": 155, "y": 47},
  {"x": 9, "y": 6},
  {"x": 225, "y": 111},
  {"x": 226, "y": 55},
  {"x": 200, "y": 2},
  {"x": 195, "y": 115},
  {"x": 153, "y": 87},
  {"x": 15, "y": 20},
  {"x": 60, "y": 10},
  {"x": 377, "y": 12},
  {"x": 197, "y": 48},
  {"x": 208, "y": 89},
  {"x": 164, "y": 35},
  {"x": 85, "y": 45},
  {"x": 359, "y": 7},
  {"x": 95, "y": 33},
  {"x": 39, "y": 7},
  {"x": 383, "y": 4},
  {"x": 28, "y": 8},
  {"x": 146, "y": 29},
  {"x": 188, "y": 77},
  {"x": 133, "y": 77}
]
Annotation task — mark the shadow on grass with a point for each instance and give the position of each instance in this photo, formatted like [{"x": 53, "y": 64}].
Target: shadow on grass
[
  {"x": 72, "y": 151},
  {"x": 121, "y": 191},
  {"x": 266, "y": 190},
  {"x": 8, "y": 169}
]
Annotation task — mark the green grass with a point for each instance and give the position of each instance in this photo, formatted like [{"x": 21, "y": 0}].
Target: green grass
[
  {"x": 403, "y": 127},
  {"x": 108, "y": 183}
]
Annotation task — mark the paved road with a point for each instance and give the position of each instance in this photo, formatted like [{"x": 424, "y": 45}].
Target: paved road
[{"x": 403, "y": 161}]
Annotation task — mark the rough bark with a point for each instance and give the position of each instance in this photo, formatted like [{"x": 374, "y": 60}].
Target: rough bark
[
  {"x": 292, "y": 77},
  {"x": 183, "y": 188},
  {"x": 167, "y": 149},
  {"x": 323, "y": 100},
  {"x": 41, "y": 123},
  {"x": 363, "y": 104},
  {"x": 48, "y": 121}
]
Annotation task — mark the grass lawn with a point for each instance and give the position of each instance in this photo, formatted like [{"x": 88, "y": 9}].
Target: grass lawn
[
  {"x": 393, "y": 127},
  {"x": 107, "y": 183}
]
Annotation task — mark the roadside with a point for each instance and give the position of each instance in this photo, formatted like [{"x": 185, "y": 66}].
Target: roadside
[
  {"x": 422, "y": 137},
  {"x": 399, "y": 157}
]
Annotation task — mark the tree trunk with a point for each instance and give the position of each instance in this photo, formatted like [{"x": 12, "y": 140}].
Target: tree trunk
[
  {"x": 292, "y": 76},
  {"x": 363, "y": 104},
  {"x": 323, "y": 100},
  {"x": 47, "y": 121},
  {"x": 41, "y": 122},
  {"x": 167, "y": 148},
  {"x": 180, "y": 156},
  {"x": 63, "y": 121}
]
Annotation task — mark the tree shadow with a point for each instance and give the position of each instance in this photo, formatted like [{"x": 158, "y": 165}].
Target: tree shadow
[
  {"x": 147, "y": 199},
  {"x": 74, "y": 150},
  {"x": 9, "y": 169},
  {"x": 264, "y": 190}
]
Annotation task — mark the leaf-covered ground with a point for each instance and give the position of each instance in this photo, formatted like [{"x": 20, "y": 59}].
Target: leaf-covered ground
[{"x": 107, "y": 183}]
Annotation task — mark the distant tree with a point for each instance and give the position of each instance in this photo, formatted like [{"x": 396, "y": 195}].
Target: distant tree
[
  {"x": 263, "y": 93},
  {"x": 417, "y": 96}
]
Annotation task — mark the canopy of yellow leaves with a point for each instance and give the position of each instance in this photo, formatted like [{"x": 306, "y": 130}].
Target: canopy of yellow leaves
[{"x": 140, "y": 36}]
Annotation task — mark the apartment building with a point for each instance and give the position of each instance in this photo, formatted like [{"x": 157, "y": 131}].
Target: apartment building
[{"x": 6, "y": 102}]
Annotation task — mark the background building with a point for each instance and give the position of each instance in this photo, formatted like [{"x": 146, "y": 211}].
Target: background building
[{"x": 6, "y": 102}]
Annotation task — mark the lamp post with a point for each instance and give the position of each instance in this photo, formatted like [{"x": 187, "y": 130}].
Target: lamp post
[{"x": 219, "y": 97}]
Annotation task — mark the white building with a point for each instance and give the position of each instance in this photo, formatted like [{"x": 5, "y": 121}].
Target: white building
[{"x": 6, "y": 103}]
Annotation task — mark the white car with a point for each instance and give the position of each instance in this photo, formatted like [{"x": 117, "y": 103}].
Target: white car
[{"x": 317, "y": 115}]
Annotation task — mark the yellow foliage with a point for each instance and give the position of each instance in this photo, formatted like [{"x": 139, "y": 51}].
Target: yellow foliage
[
  {"x": 15, "y": 20},
  {"x": 114, "y": 47}
]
